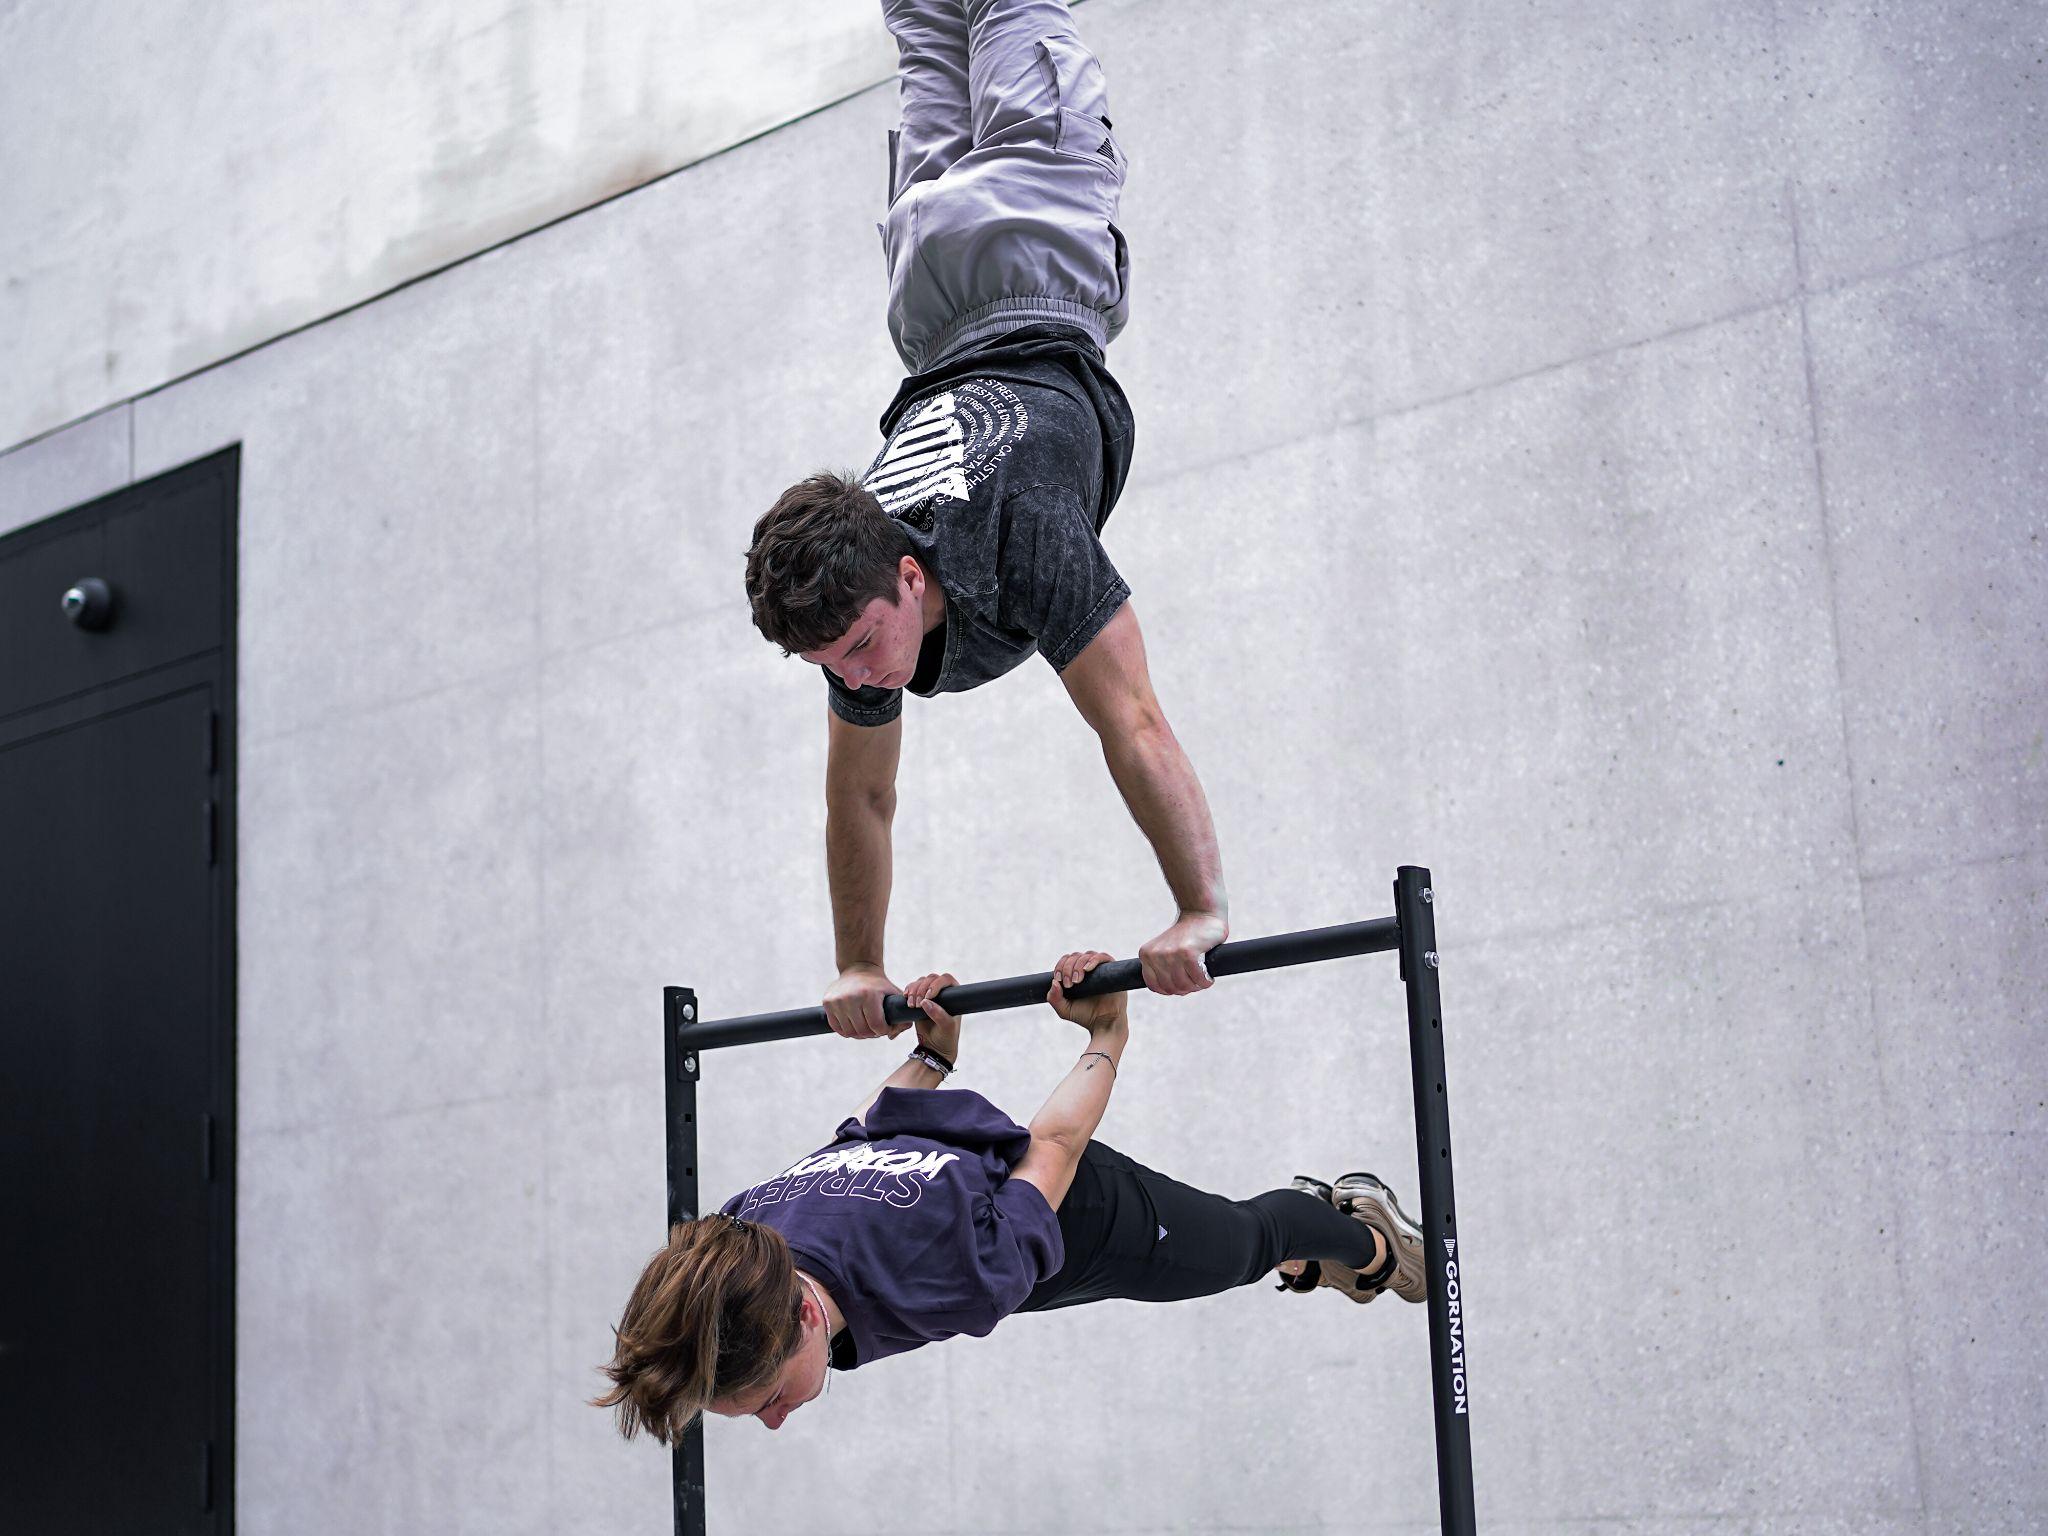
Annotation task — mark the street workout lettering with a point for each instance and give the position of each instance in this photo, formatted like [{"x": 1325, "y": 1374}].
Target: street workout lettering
[{"x": 863, "y": 1172}]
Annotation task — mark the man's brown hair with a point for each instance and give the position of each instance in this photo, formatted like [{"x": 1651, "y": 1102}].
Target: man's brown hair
[
  {"x": 821, "y": 554},
  {"x": 716, "y": 1314}
]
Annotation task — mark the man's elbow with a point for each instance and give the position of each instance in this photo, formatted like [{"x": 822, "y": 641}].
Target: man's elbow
[
  {"x": 1139, "y": 731},
  {"x": 866, "y": 802}
]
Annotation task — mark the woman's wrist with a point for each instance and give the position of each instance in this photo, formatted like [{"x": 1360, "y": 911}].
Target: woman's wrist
[{"x": 945, "y": 1042}]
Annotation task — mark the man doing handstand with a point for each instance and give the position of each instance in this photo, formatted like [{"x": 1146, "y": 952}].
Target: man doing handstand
[{"x": 973, "y": 539}]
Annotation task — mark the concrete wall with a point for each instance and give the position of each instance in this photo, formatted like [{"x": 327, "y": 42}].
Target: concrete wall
[
  {"x": 1598, "y": 458},
  {"x": 181, "y": 182}
]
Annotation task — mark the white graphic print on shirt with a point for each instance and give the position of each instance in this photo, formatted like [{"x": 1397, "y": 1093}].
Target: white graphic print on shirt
[
  {"x": 862, "y": 1170},
  {"x": 946, "y": 447}
]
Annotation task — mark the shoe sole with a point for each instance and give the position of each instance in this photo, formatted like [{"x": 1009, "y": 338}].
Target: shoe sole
[
  {"x": 1366, "y": 1197},
  {"x": 1330, "y": 1275}
]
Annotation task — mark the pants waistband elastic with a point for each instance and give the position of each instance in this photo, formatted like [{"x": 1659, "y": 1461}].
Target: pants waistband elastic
[{"x": 992, "y": 319}]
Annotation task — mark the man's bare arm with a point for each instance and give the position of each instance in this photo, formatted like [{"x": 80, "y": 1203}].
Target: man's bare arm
[
  {"x": 860, "y": 806},
  {"x": 1111, "y": 685}
]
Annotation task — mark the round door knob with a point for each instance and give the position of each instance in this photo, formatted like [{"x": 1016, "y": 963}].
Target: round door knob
[{"x": 90, "y": 604}]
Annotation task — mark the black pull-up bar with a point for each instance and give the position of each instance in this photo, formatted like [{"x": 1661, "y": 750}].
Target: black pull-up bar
[
  {"x": 1411, "y": 931},
  {"x": 1232, "y": 959}
]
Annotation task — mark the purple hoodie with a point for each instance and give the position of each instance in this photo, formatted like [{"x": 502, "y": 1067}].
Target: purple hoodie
[{"x": 912, "y": 1220}]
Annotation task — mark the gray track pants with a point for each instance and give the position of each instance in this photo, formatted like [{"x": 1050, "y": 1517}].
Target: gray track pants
[{"x": 1003, "y": 179}]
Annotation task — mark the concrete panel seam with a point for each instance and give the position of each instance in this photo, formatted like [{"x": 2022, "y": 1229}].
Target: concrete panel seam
[
  {"x": 728, "y": 609},
  {"x": 1339, "y": 425},
  {"x": 2027, "y": 232},
  {"x": 463, "y": 261},
  {"x": 536, "y": 512},
  {"x": 317, "y": 1124},
  {"x": 1471, "y": 942},
  {"x": 1884, "y": 1096},
  {"x": 1948, "y": 866},
  {"x": 1343, "y": 424},
  {"x": 372, "y": 710},
  {"x": 1888, "y": 274},
  {"x": 73, "y": 424}
]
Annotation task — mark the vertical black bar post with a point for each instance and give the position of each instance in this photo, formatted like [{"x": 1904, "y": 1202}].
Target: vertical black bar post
[
  {"x": 679, "y": 1063},
  {"x": 1415, "y": 912}
]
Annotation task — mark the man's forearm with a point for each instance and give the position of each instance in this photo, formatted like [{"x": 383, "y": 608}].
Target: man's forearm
[
  {"x": 858, "y": 869},
  {"x": 1158, "y": 783}
]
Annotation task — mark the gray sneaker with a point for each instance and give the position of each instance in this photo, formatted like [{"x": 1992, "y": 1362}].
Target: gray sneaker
[{"x": 1365, "y": 1197}]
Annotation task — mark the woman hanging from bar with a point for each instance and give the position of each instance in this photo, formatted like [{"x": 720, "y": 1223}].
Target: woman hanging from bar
[{"x": 933, "y": 1214}]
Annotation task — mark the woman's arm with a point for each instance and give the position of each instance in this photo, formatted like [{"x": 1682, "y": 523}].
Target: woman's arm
[
  {"x": 937, "y": 1031},
  {"x": 1062, "y": 1127}
]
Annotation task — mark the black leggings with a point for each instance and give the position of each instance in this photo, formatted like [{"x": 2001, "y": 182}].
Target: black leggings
[{"x": 1136, "y": 1235}]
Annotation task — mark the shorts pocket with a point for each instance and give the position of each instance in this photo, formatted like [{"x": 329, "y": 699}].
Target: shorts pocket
[
  {"x": 1089, "y": 138},
  {"x": 1084, "y": 127}
]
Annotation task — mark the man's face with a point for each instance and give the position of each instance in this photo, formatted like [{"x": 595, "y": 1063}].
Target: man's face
[{"x": 880, "y": 649}]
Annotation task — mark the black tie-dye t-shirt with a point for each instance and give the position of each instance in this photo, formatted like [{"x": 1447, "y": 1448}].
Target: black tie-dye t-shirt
[{"x": 1003, "y": 466}]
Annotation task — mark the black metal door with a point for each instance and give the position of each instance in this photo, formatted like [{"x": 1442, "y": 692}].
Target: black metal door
[{"x": 116, "y": 1098}]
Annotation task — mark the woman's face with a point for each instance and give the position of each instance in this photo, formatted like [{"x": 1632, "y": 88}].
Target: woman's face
[{"x": 801, "y": 1378}]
